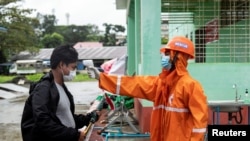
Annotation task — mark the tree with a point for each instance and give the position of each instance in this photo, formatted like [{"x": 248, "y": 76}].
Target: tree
[
  {"x": 73, "y": 34},
  {"x": 110, "y": 34},
  {"x": 94, "y": 33},
  {"x": 52, "y": 40},
  {"x": 20, "y": 33},
  {"x": 48, "y": 23},
  {"x": 164, "y": 40},
  {"x": 118, "y": 28}
]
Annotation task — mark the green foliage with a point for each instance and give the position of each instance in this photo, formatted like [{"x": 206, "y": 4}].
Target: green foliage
[
  {"x": 52, "y": 40},
  {"x": 78, "y": 78},
  {"x": 2, "y": 57},
  {"x": 36, "y": 77},
  {"x": 5, "y": 78},
  {"x": 20, "y": 33},
  {"x": 82, "y": 77},
  {"x": 73, "y": 34},
  {"x": 47, "y": 24},
  {"x": 118, "y": 28},
  {"x": 110, "y": 34},
  {"x": 164, "y": 41}
]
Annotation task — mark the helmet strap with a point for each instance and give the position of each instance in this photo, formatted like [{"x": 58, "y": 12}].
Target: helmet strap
[{"x": 174, "y": 60}]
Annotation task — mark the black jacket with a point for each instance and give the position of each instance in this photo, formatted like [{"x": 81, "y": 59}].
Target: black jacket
[{"x": 39, "y": 121}]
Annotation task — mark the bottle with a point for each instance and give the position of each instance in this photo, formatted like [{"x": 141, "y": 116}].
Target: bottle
[{"x": 246, "y": 100}]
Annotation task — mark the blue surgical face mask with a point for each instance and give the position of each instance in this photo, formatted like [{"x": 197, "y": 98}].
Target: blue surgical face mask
[{"x": 165, "y": 62}]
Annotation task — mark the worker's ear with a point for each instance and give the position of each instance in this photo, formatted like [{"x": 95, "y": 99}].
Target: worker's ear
[
  {"x": 172, "y": 54},
  {"x": 186, "y": 56}
]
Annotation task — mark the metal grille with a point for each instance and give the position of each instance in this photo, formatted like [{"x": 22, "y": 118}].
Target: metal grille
[{"x": 220, "y": 29}]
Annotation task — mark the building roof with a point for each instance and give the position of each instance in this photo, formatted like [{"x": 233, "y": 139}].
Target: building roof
[
  {"x": 89, "y": 53},
  {"x": 87, "y": 44}
]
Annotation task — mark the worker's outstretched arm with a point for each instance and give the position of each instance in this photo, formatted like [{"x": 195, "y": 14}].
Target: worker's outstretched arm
[{"x": 133, "y": 86}]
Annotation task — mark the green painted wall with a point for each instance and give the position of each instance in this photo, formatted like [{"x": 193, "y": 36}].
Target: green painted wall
[
  {"x": 138, "y": 35},
  {"x": 217, "y": 79},
  {"x": 131, "y": 67},
  {"x": 150, "y": 37},
  {"x": 144, "y": 39}
]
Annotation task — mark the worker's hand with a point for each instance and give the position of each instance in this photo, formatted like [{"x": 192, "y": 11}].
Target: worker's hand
[
  {"x": 82, "y": 133},
  {"x": 93, "y": 72}
]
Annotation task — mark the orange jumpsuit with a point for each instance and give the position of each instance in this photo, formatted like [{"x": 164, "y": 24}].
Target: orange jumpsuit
[{"x": 180, "y": 110}]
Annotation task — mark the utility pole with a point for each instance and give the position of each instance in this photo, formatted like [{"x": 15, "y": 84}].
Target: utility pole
[
  {"x": 53, "y": 11},
  {"x": 67, "y": 18}
]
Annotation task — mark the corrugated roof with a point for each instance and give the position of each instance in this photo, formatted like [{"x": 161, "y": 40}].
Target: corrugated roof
[
  {"x": 89, "y": 53},
  {"x": 87, "y": 44}
]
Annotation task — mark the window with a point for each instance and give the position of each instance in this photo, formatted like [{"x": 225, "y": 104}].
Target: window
[{"x": 233, "y": 11}]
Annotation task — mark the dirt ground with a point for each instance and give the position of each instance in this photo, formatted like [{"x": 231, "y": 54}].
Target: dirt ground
[{"x": 10, "y": 132}]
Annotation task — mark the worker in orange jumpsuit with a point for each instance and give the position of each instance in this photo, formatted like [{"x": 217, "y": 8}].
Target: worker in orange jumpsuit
[{"x": 180, "y": 110}]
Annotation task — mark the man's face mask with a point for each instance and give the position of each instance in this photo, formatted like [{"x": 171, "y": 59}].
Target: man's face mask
[
  {"x": 165, "y": 62},
  {"x": 70, "y": 77}
]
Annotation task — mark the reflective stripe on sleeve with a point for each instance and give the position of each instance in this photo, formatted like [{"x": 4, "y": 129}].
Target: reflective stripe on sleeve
[
  {"x": 172, "y": 109},
  {"x": 118, "y": 84},
  {"x": 199, "y": 130}
]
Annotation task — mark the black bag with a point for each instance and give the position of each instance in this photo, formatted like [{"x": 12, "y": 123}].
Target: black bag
[
  {"x": 27, "y": 121},
  {"x": 34, "y": 84}
]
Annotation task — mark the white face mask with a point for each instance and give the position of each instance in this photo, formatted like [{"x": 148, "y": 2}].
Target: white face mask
[{"x": 70, "y": 77}]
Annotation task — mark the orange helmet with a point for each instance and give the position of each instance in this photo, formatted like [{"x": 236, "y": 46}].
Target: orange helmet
[{"x": 181, "y": 44}]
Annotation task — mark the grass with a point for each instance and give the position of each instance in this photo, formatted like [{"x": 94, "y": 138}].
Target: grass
[
  {"x": 5, "y": 78},
  {"x": 36, "y": 77},
  {"x": 82, "y": 77}
]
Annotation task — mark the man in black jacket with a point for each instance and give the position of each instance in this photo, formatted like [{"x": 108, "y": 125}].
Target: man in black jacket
[{"x": 48, "y": 113}]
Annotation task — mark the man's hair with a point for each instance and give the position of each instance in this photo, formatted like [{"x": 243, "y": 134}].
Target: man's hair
[{"x": 65, "y": 53}]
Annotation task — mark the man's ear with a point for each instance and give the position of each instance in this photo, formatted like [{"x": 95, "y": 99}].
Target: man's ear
[{"x": 61, "y": 65}]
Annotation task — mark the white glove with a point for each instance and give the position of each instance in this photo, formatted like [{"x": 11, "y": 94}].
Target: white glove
[{"x": 93, "y": 72}]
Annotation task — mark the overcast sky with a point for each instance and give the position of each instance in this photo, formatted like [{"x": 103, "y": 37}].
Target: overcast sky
[{"x": 81, "y": 12}]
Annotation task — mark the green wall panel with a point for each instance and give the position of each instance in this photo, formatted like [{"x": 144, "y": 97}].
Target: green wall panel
[{"x": 217, "y": 79}]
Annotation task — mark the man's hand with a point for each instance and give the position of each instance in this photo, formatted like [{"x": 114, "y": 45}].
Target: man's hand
[
  {"x": 82, "y": 133},
  {"x": 93, "y": 72},
  {"x": 94, "y": 116}
]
